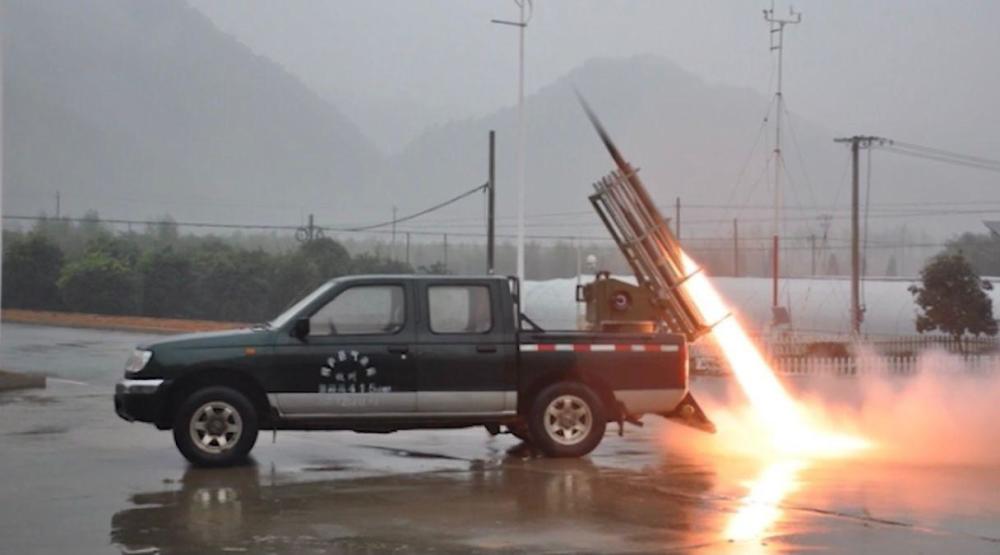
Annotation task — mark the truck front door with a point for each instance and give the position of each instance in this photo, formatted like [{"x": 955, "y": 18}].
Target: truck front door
[{"x": 356, "y": 358}]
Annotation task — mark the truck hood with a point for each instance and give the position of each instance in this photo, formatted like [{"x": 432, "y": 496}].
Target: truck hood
[{"x": 244, "y": 337}]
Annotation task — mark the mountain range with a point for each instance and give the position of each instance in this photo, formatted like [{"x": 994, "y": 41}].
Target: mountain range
[{"x": 138, "y": 109}]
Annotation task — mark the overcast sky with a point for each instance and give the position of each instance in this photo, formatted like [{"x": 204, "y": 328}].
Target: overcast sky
[{"x": 916, "y": 70}]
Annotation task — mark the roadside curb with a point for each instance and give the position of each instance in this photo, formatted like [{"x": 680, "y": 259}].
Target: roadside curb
[
  {"x": 142, "y": 324},
  {"x": 18, "y": 380}
]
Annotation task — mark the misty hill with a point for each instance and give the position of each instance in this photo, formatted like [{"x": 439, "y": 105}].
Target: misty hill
[
  {"x": 690, "y": 138},
  {"x": 143, "y": 108}
]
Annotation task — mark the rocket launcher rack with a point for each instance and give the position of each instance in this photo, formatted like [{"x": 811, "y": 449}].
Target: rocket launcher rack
[{"x": 644, "y": 238}]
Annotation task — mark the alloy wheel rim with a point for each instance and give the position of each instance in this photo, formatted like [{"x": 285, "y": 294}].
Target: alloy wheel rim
[
  {"x": 568, "y": 419},
  {"x": 216, "y": 427}
]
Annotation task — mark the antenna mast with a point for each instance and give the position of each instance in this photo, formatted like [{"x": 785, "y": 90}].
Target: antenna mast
[{"x": 777, "y": 44}]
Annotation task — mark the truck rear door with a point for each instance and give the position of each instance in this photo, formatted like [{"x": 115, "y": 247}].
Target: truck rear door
[{"x": 466, "y": 363}]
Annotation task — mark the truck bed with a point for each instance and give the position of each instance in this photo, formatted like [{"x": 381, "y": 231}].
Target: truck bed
[{"x": 647, "y": 373}]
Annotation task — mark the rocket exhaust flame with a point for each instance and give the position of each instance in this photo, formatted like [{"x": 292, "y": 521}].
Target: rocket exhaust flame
[
  {"x": 789, "y": 424},
  {"x": 692, "y": 306}
]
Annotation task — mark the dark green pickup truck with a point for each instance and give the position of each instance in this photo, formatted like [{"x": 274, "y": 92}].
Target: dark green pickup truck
[{"x": 386, "y": 353}]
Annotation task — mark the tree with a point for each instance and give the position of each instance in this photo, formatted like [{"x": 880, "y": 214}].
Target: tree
[
  {"x": 122, "y": 249},
  {"x": 164, "y": 230},
  {"x": 31, "y": 268},
  {"x": 328, "y": 257},
  {"x": 233, "y": 284},
  {"x": 437, "y": 268},
  {"x": 168, "y": 285},
  {"x": 953, "y": 298},
  {"x": 293, "y": 277},
  {"x": 100, "y": 284},
  {"x": 365, "y": 263}
]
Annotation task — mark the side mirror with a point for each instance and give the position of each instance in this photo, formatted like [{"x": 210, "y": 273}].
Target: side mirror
[{"x": 300, "y": 329}]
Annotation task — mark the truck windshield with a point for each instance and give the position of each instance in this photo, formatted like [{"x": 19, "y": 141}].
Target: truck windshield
[{"x": 293, "y": 310}]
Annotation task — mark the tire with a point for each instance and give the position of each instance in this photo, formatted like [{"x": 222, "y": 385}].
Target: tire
[
  {"x": 583, "y": 427},
  {"x": 215, "y": 427}
]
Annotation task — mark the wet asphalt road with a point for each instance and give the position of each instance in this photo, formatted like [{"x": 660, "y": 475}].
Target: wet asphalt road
[{"x": 76, "y": 479}]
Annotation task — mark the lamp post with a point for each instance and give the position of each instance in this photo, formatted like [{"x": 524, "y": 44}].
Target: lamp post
[{"x": 521, "y": 24}]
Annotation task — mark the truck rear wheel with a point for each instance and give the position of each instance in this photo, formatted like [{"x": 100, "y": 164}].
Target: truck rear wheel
[
  {"x": 566, "y": 420},
  {"x": 215, "y": 426}
]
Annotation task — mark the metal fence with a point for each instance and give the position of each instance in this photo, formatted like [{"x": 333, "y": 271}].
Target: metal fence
[
  {"x": 860, "y": 366},
  {"x": 839, "y": 346}
]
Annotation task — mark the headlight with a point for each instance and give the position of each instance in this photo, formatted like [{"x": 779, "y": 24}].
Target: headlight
[{"x": 137, "y": 361}]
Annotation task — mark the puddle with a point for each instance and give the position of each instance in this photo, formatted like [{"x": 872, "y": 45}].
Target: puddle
[
  {"x": 413, "y": 454},
  {"x": 42, "y": 431}
]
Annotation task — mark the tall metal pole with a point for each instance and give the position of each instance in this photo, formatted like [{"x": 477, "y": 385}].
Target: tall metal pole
[
  {"x": 736, "y": 248},
  {"x": 812, "y": 248},
  {"x": 855, "y": 250},
  {"x": 521, "y": 24},
  {"x": 446, "y": 253},
  {"x": 58, "y": 205},
  {"x": 520, "y": 149},
  {"x": 777, "y": 44},
  {"x": 677, "y": 218},
  {"x": 857, "y": 143},
  {"x": 392, "y": 249},
  {"x": 491, "y": 218}
]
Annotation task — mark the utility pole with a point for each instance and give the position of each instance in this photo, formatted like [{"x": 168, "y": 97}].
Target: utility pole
[
  {"x": 812, "y": 248},
  {"x": 677, "y": 218},
  {"x": 446, "y": 253},
  {"x": 392, "y": 248},
  {"x": 521, "y": 24},
  {"x": 491, "y": 218},
  {"x": 736, "y": 248},
  {"x": 857, "y": 142},
  {"x": 58, "y": 205},
  {"x": 777, "y": 45},
  {"x": 407, "y": 248}
]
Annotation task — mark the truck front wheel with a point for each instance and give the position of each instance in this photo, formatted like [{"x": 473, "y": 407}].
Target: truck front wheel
[
  {"x": 566, "y": 420},
  {"x": 215, "y": 426}
]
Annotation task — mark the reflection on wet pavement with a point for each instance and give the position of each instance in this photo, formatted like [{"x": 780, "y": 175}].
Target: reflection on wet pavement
[
  {"x": 761, "y": 507},
  {"x": 115, "y": 487},
  {"x": 508, "y": 504}
]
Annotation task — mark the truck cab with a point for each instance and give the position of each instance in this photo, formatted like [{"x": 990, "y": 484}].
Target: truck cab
[{"x": 383, "y": 353}]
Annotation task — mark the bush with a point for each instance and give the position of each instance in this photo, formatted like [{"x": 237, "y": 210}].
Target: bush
[
  {"x": 232, "y": 284},
  {"x": 168, "y": 284},
  {"x": 31, "y": 268},
  {"x": 100, "y": 284}
]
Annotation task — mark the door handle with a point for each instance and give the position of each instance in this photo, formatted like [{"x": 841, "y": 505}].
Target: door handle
[
  {"x": 486, "y": 348},
  {"x": 400, "y": 350}
]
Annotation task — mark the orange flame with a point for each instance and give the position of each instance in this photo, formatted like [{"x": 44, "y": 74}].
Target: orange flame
[
  {"x": 761, "y": 506},
  {"x": 791, "y": 429},
  {"x": 793, "y": 434}
]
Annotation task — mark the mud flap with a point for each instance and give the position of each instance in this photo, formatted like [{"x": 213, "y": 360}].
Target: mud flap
[{"x": 689, "y": 413}]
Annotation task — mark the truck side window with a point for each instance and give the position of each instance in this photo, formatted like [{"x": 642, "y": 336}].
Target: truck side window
[
  {"x": 363, "y": 309},
  {"x": 460, "y": 308}
]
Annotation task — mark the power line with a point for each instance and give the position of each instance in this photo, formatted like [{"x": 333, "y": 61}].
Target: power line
[
  {"x": 947, "y": 153},
  {"x": 415, "y": 215},
  {"x": 993, "y": 167}
]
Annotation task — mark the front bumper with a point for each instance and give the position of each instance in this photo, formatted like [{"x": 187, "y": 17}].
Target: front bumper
[{"x": 140, "y": 400}]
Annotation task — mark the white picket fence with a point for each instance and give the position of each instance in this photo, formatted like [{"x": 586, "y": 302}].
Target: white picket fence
[
  {"x": 901, "y": 346},
  {"x": 855, "y": 366}
]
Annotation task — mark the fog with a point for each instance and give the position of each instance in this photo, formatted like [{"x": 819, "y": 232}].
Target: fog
[{"x": 262, "y": 112}]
